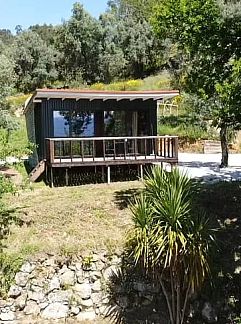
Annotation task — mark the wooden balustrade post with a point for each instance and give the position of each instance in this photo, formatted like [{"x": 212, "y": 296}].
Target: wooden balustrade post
[
  {"x": 51, "y": 151},
  {"x": 176, "y": 147}
]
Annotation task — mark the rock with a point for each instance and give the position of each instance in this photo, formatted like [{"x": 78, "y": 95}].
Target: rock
[
  {"x": 27, "y": 267},
  {"x": 14, "y": 291},
  {"x": 86, "y": 303},
  {"x": 31, "y": 308},
  {"x": 38, "y": 283},
  {"x": 63, "y": 269},
  {"x": 55, "y": 311},
  {"x": 106, "y": 310},
  {"x": 60, "y": 296},
  {"x": 95, "y": 257},
  {"x": 105, "y": 299},
  {"x": 116, "y": 260},
  {"x": 96, "y": 287},
  {"x": 67, "y": 278},
  {"x": 72, "y": 267},
  {"x": 36, "y": 288},
  {"x": 43, "y": 305},
  {"x": 209, "y": 314},
  {"x": 110, "y": 272},
  {"x": 21, "y": 279},
  {"x": 95, "y": 275},
  {"x": 54, "y": 284},
  {"x": 20, "y": 302},
  {"x": 96, "y": 298},
  {"x": 100, "y": 265},
  {"x": 49, "y": 263},
  {"x": 78, "y": 266},
  {"x": 39, "y": 297},
  {"x": 83, "y": 290},
  {"x": 74, "y": 310},
  {"x": 9, "y": 316},
  {"x": 86, "y": 316}
]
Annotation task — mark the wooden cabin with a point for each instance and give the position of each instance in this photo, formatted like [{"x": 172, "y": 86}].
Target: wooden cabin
[{"x": 77, "y": 129}]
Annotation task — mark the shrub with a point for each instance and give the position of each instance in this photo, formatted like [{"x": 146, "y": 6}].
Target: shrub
[{"x": 171, "y": 239}]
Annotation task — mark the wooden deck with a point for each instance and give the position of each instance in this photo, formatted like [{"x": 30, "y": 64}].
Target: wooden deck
[
  {"x": 106, "y": 152},
  {"x": 94, "y": 151}
]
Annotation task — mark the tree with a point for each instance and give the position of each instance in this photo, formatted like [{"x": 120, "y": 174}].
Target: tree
[
  {"x": 171, "y": 240},
  {"x": 133, "y": 39},
  {"x": 6, "y": 37},
  {"x": 208, "y": 36},
  {"x": 46, "y": 32},
  {"x": 35, "y": 62},
  {"x": 78, "y": 41},
  {"x": 112, "y": 61}
]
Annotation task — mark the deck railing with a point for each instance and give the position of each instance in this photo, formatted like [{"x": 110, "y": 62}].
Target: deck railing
[{"x": 94, "y": 149}]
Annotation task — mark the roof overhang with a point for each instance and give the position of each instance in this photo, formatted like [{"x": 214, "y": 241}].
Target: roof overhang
[{"x": 99, "y": 95}]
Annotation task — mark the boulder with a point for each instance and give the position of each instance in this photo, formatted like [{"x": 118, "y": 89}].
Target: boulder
[
  {"x": 83, "y": 290},
  {"x": 86, "y": 303},
  {"x": 96, "y": 286},
  {"x": 27, "y": 267},
  {"x": 62, "y": 296},
  {"x": 55, "y": 311},
  {"x": 7, "y": 317},
  {"x": 21, "y": 279},
  {"x": 67, "y": 278},
  {"x": 14, "y": 291},
  {"x": 31, "y": 308},
  {"x": 54, "y": 284},
  {"x": 39, "y": 297},
  {"x": 20, "y": 302}
]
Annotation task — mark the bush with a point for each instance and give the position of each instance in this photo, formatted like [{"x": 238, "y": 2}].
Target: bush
[{"x": 9, "y": 266}]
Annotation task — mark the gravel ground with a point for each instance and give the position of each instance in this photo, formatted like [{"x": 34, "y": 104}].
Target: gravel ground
[{"x": 206, "y": 166}]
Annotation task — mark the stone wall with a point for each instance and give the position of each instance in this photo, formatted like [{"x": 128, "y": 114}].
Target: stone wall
[{"x": 83, "y": 289}]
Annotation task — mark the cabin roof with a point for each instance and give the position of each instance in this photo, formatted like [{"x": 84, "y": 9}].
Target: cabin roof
[{"x": 99, "y": 95}]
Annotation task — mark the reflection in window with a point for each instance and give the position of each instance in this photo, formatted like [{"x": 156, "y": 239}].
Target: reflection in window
[
  {"x": 116, "y": 123},
  {"x": 61, "y": 124},
  {"x": 83, "y": 124},
  {"x": 75, "y": 124}
]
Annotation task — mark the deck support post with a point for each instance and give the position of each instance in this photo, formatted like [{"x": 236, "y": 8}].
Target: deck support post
[
  {"x": 66, "y": 177},
  {"x": 103, "y": 173},
  {"x": 108, "y": 174},
  {"x": 141, "y": 172},
  {"x": 51, "y": 178}
]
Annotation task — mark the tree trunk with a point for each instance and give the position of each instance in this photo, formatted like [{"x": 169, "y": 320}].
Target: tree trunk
[{"x": 224, "y": 146}]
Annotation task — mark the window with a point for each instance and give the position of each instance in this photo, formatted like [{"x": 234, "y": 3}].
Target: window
[
  {"x": 61, "y": 123},
  {"x": 73, "y": 124}
]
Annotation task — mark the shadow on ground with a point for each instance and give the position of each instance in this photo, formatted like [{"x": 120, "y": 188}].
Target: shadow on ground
[
  {"x": 222, "y": 201},
  {"x": 135, "y": 299},
  {"x": 124, "y": 198},
  {"x": 210, "y": 171}
]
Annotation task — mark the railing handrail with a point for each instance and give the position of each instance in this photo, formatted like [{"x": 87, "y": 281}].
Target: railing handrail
[{"x": 93, "y": 138}]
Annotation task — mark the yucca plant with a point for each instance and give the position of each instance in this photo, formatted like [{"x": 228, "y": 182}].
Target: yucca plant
[{"x": 171, "y": 239}]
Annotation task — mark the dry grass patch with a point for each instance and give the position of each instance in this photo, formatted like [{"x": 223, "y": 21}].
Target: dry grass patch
[{"x": 71, "y": 220}]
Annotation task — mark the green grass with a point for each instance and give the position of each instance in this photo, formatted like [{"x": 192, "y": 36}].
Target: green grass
[{"x": 70, "y": 220}]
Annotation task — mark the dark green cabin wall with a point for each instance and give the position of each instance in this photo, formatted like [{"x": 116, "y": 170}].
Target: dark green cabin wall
[{"x": 44, "y": 114}]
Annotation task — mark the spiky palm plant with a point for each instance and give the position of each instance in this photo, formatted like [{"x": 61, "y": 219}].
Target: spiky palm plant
[{"x": 170, "y": 238}]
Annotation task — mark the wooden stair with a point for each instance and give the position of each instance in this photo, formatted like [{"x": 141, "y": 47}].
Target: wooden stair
[{"x": 37, "y": 171}]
